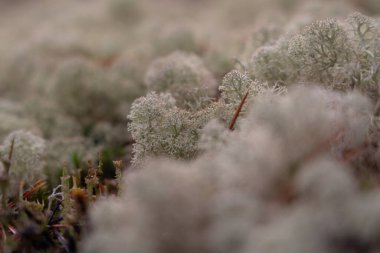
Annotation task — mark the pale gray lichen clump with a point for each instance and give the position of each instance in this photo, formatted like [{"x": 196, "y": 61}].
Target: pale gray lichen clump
[
  {"x": 312, "y": 110},
  {"x": 13, "y": 117},
  {"x": 84, "y": 92},
  {"x": 236, "y": 84},
  {"x": 12, "y": 121},
  {"x": 185, "y": 76},
  {"x": 341, "y": 55},
  {"x": 272, "y": 63},
  {"x": 27, "y": 157},
  {"x": 259, "y": 190},
  {"x": 319, "y": 48},
  {"x": 213, "y": 136},
  {"x": 160, "y": 127}
]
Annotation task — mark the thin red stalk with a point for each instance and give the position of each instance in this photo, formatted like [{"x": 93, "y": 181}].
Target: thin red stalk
[
  {"x": 57, "y": 226},
  {"x": 237, "y": 112},
  {"x": 38, "y": 185}
]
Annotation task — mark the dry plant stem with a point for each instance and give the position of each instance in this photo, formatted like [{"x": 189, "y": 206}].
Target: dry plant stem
[
  {"x": 92, "y": 180},
  {"x": 65, "y": 181},
  {"x": 237, "y": 112},
  {"x": 26, "y": 195}
]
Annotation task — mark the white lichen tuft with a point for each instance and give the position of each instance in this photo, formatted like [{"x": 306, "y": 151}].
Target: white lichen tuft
[
  {"x": 85, "y": 92},
  {"x": 320, "y": 47},
  {"x": 185, "y": 76},
  {"x": 159, "y": 127},
  {"x": 27, "y": 157},
  {"x": 272, "y": 63}
]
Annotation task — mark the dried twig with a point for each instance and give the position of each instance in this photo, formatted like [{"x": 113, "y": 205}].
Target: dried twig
[{"x": 237, "y": 112}]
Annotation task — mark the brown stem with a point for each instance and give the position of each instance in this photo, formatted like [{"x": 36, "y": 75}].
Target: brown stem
[{"x": 237, "y": 112}]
